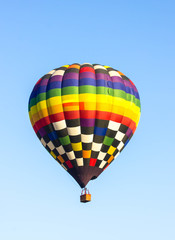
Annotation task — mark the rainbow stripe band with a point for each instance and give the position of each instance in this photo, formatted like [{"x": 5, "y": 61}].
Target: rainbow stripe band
[{"x": 84, "y": 115}]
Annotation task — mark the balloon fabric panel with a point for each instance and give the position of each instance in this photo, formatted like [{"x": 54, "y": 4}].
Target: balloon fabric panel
[{"x": 84, "y": 115}]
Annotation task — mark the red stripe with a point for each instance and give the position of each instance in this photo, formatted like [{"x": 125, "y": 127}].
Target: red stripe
[
  {"x": 57, "y": 117},
  {"x": 41, "y": 123},
  {"x": 47, "y": 120},
  {"x": 92, "y": 162},
  {"x": 38, "y": 81},
  {"x": 87, "y": 113},
  {"x": 87, "y": 69},
  {"x": 35, "y": 128},
  {"x": 124, "y": 120},
  {"x": 116, "y": 117},
  {"x": 133, "y": 126},
  {"x": 131, "y": 82},
  {"x": 103, "y": 115},
  {"x": 72, "y": 115}
]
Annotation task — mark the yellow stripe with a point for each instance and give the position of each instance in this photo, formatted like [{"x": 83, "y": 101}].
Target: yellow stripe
[
  {"x": 89, "y": 106},
  {"x": 104, "y": 103},
  {"x": 70, "y": 98},
  {"x": 55, "y": 109},
  {"x": 35, "y": 117},
  {"x": 104, "y": 107},
  {"x": 33, "y": 109},
  {"x": 31, "y": 120},
  {"x": 71, "y": 108},
  {"x": 53, "y": 101},
  {"x": 88, "y": 99}
]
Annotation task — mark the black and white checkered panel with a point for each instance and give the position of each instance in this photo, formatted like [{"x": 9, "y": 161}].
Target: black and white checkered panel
[
  {"x": 55, "y": 148},
  {"x": 65, "y": 151},
  {"x": 68, "y": 153},
  {"x": 73, "y": 128},
  {"x": 99, "y": 123},
  {"x": 117, "y": 144},
  {"x": 111, "y": 132}
]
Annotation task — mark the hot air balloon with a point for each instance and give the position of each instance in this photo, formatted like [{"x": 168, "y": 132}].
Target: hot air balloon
[{"x": 84, "y": 115}]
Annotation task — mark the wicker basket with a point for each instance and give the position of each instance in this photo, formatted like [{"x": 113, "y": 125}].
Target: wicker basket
[{"x": 85, "y": 198}]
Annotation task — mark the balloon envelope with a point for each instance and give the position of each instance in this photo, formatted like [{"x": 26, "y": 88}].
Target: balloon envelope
[{"x": 84, "y": 115}]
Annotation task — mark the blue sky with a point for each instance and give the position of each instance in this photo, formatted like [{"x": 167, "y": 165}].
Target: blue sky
[{"x": 134, "y": 198}]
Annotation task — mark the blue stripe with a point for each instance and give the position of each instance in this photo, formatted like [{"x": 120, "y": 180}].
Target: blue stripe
[
  {"x": 53, "y": 85},
  {"x": 131, "y": 91},
  {"x": 101, "y": 83},
  {"x": 87, "y": 81},
  {"x": 70, "y": 82},
  {"x": 100, "y": 131},
  {"x": 41, "y": 89},
  {"x": 83, "y": 81}
]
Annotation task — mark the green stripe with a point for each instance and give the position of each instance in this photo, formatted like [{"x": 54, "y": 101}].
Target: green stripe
[
  {"x": 56, "y": 92},
  {"x": 88, "y": 89},
  {"x": 84, "y": 89},
  {"x": 69, "y": 90}
]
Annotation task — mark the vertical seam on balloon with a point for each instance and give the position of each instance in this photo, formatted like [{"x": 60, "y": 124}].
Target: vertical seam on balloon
[
  {"x": 110, "y": 110},
  {"x": 95, "y": 109},
  {"x": 126, "y": 94},
  {"x": 52, "y": 127},
  {"x": 62, "y": 164},
  {"x": 53, "y": 130},
  {"x": 120, "y": 122},
  {"x": 36, "y": 106},
  {"x": 79, "y": 112},
  {"x": 131, "y": 90},
  {"x": 125, "y": 108},
  {"x": 65, "y": 118},
  {"x": 45, "y": 98}
]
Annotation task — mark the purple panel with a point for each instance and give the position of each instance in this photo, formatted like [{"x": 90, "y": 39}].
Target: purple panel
[
  {"x": 84, "y": 122},
  {"x": 71, "y": 75},
  {"x": 42, "y": 132},
  {"x": 129, "y": 132}
]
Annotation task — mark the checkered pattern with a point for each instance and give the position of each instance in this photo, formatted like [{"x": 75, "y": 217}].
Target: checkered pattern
[
  {"x": 113, "y": 143},
  {"x": 84, "y": 114}
]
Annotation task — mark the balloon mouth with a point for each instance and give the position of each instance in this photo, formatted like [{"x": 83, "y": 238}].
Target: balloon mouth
[
  {"x": 94, "y": 177},
  {"x": 84, "y": 174}
]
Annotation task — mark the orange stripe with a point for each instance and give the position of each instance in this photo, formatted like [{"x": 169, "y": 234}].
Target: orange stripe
[
  {"x": 70, "y": 104},
  {"x": 74, "y": 66}
]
